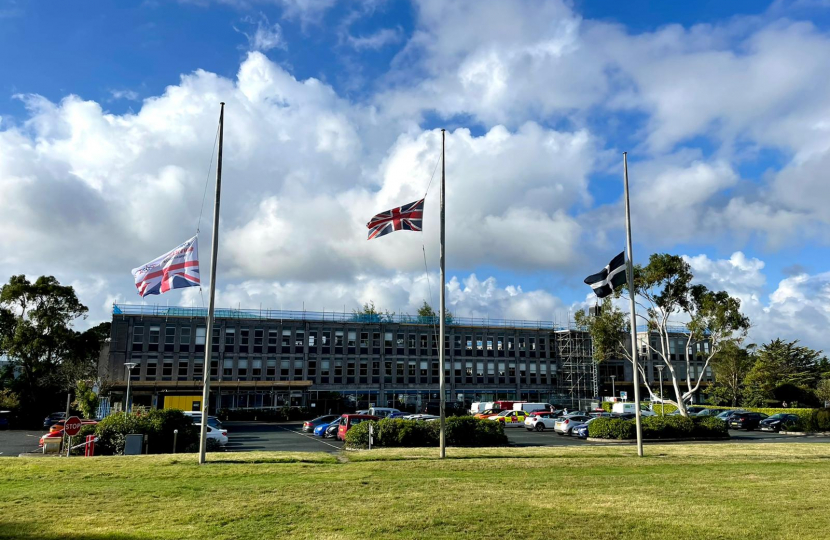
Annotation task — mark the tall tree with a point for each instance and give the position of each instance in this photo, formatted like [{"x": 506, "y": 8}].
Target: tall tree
[
  {"x": 36, "y": 335},
  {"x": 665, "y": 295},
  {"x": 730, "y": 367},
  {"x": 426, "y": 311},
  {"x": 782, "y": 364}
]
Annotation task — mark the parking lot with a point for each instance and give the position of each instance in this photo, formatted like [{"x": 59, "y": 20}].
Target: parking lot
[{"x": 251, "y": 436}]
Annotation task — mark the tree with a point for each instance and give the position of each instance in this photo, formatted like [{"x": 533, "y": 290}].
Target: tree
[
  {"x": 664, "y": 292},
  {"x": 823, "y": 391},
  {"x": 426, "y": 311},
  {"x": 36, "y": 335},
  {"x": 782, "y": 368},
  {"x": 730, "y": 367}
]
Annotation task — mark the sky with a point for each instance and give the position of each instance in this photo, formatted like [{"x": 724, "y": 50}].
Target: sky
[{"x": 108, "y": 117}]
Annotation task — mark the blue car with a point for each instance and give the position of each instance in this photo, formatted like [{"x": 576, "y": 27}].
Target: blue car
[
  {"x": 320, "y": 430},
  {"x": 582, "y": 431}
]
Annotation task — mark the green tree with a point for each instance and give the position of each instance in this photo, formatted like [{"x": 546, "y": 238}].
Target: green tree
[
  {"x": 665, "y": 293},
  {"x": 785, "y": 365},
  {"x": 823, "y": 391},
  {"x": 86, "y": 400},
  {"x": 36, "y": 335},
  {"x": 730, "y": 367},
  {"x": 426, "y": 311}
]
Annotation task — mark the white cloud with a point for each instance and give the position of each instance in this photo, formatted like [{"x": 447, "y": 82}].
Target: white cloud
[
  {"x": 265, "y": 36},
  {"x": 377, "y": 40},
  {"x": 129, "y": 95}
]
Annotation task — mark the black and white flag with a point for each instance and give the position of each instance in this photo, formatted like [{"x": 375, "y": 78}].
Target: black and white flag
[{"x": 611, "y": 277}]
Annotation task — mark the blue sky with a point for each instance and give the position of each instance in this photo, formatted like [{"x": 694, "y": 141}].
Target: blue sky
[{"x": 720, "y": 105}]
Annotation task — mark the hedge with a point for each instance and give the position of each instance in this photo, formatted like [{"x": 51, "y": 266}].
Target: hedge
[
  {"x": 807, "y": 417},
  {"x": 156, "y": 425},
  {"x": 397, "y": 433},
  {"x": 658, "y": 427}
]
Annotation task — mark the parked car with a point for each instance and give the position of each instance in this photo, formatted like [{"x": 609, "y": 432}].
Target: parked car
[
  {"x": 331, "y": 431},
  {"x": 530, "y": 407},
  {"x": 310, "y": 425},
  {"x": 747, "y": 420},
  {"x": 348, "y": 421},
  {"x": 212, "y": 421},
  {"x": 563, "y": 425},
  {"x": 384, "y": 412},
  {"x": 320, "y": 429},
  {"x": 54, "y": 418},
  {"x": 424, "y": 417},
  {"x": 777, "y": 421},
  {"x": 540, "y": 421},
  {"x": 488, "y": 413},
  {"x": 4, "y": 419},
  {"x": 726, "y": 415},
  {"x": 510, "y": 418},
  {"x": 219, "y": 435},
  {"x": 625, "y": 407},
  {"x": 582, "y": 429},
  {"x": 708, "y": 412},
  {"x": 692, "y": 411}
]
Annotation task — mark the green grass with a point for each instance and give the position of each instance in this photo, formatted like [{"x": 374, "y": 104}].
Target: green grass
[{"x": 677, "y": 491}]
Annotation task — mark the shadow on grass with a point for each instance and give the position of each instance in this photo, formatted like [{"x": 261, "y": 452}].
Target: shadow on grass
[{"x": 27, "y": 530}]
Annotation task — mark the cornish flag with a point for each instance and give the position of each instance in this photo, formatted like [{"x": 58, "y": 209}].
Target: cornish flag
[
  {"x": 409, "y": 217},
  {"x": 175, "y": 269},
  {"x": 611, "y": 277}
]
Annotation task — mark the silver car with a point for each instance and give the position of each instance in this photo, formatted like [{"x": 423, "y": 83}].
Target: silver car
[{"x": 565, "y": 425}]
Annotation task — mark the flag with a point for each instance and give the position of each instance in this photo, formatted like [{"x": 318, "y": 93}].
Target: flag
[
  {"x": 408, "y": 217},
  {"x": 175, "y": 269},
  {"x": 611, "y": 277}
]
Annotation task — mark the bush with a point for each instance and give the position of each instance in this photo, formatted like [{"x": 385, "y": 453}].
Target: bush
[
  {"x": 398, "y": 433},
  {"x": 709, "y": 426},
  {"x": 157, "y": 426},
  {"x": 667, "y": 427},
  {"x": 612, "y": 428},
  {"x": 665, "y": 408},
  {"x": 823, "y": 419},
  {"x": 86, "y": 429}
]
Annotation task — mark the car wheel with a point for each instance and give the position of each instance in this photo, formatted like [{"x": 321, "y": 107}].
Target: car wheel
[{"x": 540, "y": 427}]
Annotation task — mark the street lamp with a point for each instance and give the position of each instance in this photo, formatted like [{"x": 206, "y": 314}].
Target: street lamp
[
  {"x": 613, "y": 389},
  {"x": 662, "y": 403},
  {"x": 129, "y": 366}
]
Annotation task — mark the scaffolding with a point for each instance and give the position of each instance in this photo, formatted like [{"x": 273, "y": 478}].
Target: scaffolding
[{"x": 579, "y": 376}]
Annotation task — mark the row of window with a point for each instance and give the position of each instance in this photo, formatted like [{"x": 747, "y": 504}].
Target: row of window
[
  {"x": 293, "y": 369},
  {"x": 349, "y": 338}
]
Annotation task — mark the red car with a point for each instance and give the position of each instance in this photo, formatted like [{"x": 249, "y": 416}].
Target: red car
[{"x": 347, "y": 421}]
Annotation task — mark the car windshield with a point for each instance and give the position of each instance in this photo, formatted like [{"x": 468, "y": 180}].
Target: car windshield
[
  {"x": 779, "y": 416},
  {"x": 507, "y": 413}
]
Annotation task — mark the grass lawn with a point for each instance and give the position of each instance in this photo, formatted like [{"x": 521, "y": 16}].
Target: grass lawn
[{"x": 678, "y": 491}]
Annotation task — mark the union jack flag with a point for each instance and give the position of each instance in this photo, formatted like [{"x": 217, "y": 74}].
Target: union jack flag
[
  {"x": 175, "y": 269},
  {"x": 409, "y": 217}
]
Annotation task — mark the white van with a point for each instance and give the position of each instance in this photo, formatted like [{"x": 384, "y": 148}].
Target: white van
[
  {"x": 477, "y": 407},
  {"x": 619, "y": 408},
  {"x": 530, "y": 407},
  {"x": 383, "y": 412}
]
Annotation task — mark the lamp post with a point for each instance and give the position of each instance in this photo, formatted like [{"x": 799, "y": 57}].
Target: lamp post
[
  {"x": 129, "y": 366},
  {"x": 662, "y": 405},
  {"x": 613, "y": 389}
]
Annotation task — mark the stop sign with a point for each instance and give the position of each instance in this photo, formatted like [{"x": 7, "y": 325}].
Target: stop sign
[{"x": 72, "y": 426}]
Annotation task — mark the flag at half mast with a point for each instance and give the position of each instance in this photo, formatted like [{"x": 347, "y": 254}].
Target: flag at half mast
[
  {"x": 176, "y": 269},
  {"x": 409, "y": 217},
  {"x": 609, "y": 278}
]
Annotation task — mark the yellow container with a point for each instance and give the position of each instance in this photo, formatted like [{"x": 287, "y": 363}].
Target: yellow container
[{"x": 183, "y": 403}]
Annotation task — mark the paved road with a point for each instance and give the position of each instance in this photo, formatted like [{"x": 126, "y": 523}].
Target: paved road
[{"x": 251, "y": 436}]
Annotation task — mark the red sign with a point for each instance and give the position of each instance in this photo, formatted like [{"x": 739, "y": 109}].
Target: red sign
[{"x": 72, "y": 426}]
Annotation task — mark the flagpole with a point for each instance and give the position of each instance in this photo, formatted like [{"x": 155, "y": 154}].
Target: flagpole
[
  {"x": 214, "y": 250},
  {"x": 442, "y": 308},
  {"x": 630, "y": 272}
]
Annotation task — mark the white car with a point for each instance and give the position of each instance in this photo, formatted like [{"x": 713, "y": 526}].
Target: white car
[
  {"x": 540, "y": 421},
  {"x": 564, "y": 425},
  {"x": 220, "y": 435}
]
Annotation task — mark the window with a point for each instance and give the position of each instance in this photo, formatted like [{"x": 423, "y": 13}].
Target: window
[
  {"x": 259, "y": 335},
  {"x": 533, "y": 371},
  {"x": 489, "y": 343},
  {"x": 387, "y": 340},
  {"x": 170, "y": 335},
  {"x": 399, "y": 370},
  {"x": 214, "y": 341},
  {"x": 242, "y": 367},
  {"x": 491, "y": 369},
  {"x": 312, "y": 369},
  {"x": 350, "y": 368},
  {"x": 138, "y": 334},
  {"x": 286, "y": 338},
  {"x": 388, "y": 369},
  {"x": 533, "y": 344},
  {"x": 198, "y": 368},
  {"x": 182, "y": 368},
  {"x": 542, "y": 344},
  {"x": 511, "y": 369},
  {"x": 456, "y": 340},
  {"x": 352, "y": 338},
  {"x": 500, "y": 344},
  {"x": 271, "y": 367},
  {"x": 152, "y": 365},
  {"x": 523, "y": 344},
  {"x": 376, "y": 339},
  {"x": 154, "y": 334},
  {"x": 214, "y": 367},
  {"x": 364, "y": 340},
  {"x": 298, "y": 370},
  {"x": 501, "y": 369},
  {"x": 423, "y": 341},
  {"x": 227, "y": 367},
  {"x": 479, "y": 344},
  {"x": 411, "y": 371},
  {"x": 338, "y": 368},
  {"x": 424, "y": 369},
  {"x": 338, "y": 338},
  {"x": 326, "y": 338},
  {"x": 325, "y": 367},
  {"x": 510, "y": 343},
  {"x": 184, "y": 336},
  {"x": 272, "y": 338},
  {"x": 230, "y": 336},
  {"x": 400, "y": 341},
  {"x": 523, "y": 370},
  {"x": 312, "y": 339},
  {"x": 299, "y": 339},
  {"x": 468, "y": 369},
  {"x": 411, "y": 341},
  {"x": 457, "y": 368},
  {"x": 375, "y": 369},
  {"x": 480, "y": 369},
  {"x": 244, "y": 337},
  {"x": 167, "y": 367},
  {"x": 285, "y": 366},
  {"x": 364, "y": 368},
  {"x": 469, "y": 341},
  {"x": 256, "y": 368}
]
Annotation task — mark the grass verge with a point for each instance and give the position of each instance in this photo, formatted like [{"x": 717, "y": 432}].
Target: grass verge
[{"x": 677, "y": 491}]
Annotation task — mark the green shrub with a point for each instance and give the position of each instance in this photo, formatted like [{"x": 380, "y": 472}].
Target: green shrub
[
  {"x": 157, "y": 426},
  {"x": 710, "y": 427},
  {"x": 664, "y": 408},
  {"x": 823, "y": 420},
  {"x": 358, "y": 436},
  {"x": 398, "y": 433},
  {"x": 395, "y": 432},
  {"x": 612, "y": 428},
  {"x": 469, "y": 431},
  {"x": 667, "y": 427},
  {"x": 86, "y": 429},
  {"x": 606, "y": 406}
]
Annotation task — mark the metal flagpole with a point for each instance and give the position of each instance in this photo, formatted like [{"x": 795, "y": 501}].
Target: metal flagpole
[
  {"x": 213, "y": 254},
  {"x": 630, "y": 270},
  {"x": 442, "y": 304}
]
